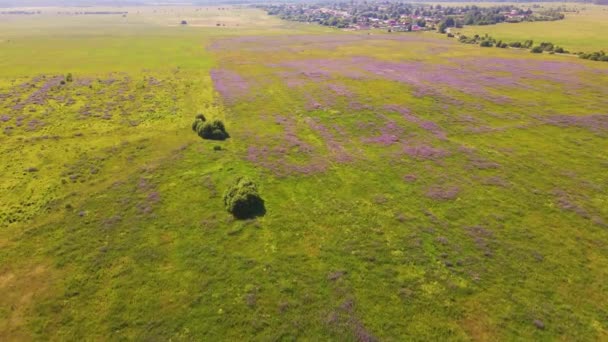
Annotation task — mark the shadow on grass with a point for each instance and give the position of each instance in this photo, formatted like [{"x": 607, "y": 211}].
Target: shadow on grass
[{"x": 252, "y": 208}]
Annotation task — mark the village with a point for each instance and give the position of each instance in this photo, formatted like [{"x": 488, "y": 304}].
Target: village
[{"x": 401, "y": 17}]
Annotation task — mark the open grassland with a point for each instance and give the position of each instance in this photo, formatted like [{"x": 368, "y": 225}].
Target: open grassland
[
  {"x": 416, "y": 188},
  {"x": 579, "y": 31}
]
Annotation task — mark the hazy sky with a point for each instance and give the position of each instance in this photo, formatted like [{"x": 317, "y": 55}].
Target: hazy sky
[{"x": 24, "y": 3}]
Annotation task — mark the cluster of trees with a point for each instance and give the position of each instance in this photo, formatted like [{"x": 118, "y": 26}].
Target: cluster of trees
[
  {"x": 214, "y": 130},
  {"x": 344, "y": 14},
  {"x": 488, "y": 41},
  {"x": 495, "y": 15},
  {"x": 548, "y": 15},
  {"x": 548, "y": 47},
  {"x": 243, "y": 200},
  {"x": 594, "y": 56},
  {"x": 490, "y": 16},
  {"x": 519, "y": 45}
]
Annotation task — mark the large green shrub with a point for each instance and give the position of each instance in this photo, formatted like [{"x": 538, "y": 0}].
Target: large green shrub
[
  {"x": 214, "y": 130},
  {"x": 242, "y": 199},
  {"x": 537, "y": 49}
]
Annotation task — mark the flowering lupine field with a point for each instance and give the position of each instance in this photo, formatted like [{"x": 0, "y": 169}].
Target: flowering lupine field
[{"x": 415, "y": 188}]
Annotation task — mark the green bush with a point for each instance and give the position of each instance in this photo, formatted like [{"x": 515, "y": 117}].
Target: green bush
[
  {"x": 537, "y": 49},
  {"x": 214, "y": 130},
  {"x": 546, "y": 46},
  {"x": 486, "y": 43},
  {"x": 196, "y": 123},
  {"x": 242, "y": 199}
]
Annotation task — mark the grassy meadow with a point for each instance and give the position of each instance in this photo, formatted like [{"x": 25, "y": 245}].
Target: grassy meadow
[
  {"x": 581, "y": 31},
  {"x": 415, "y": 188}
]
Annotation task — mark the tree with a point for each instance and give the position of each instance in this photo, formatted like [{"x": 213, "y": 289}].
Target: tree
[
  {"x": 214, "y": 130},
  {"x": 243, "y": 200},
  {"x": 546, "y": 46},
  {"x": 537, "y": 49},
  {"x": 442, "y": 27},
  {"x": 486, "y": 43}
]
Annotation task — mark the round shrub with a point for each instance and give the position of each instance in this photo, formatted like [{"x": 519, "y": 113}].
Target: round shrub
[
  {"x": 214, "y": 130},
  {"x": 196, "y": 124},
  {"x": 242, "y": 199},
  {"x": 537, "y": 49}
]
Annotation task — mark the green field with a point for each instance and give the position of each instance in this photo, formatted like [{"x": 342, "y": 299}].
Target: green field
[
  {"x": 415, "y": 188},
  {"x": 579, "y": 31}
]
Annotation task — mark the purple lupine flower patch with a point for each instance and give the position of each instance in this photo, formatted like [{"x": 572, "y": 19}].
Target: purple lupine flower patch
[
  {"x": 274, "y": 160},
  {"x": 19, "y": 120},
  {"x": 292, "y": 155},
  {"x": 443, "y": 192},
  {"x": 463, "y": 75},
  {"x": 389, "y": 134},
  {"x": 83, "y": 82},
  {"x": 410, "y": 178},
  {"x": 421, "y": 151},
  {"x": 338, "y": 152},
  {"x": 340, "y": 90},
  {"x": 567, "y": 202},
  {"x": 277, "y": 159},
  {"x": 297, "y": 72},
  {"x": 229, "y": 84},
  {"x": 495, "y": 181},
  {"x": 596, "y": 123},
  {"x": 483, "y": 239},
  {"x": 292, "y": 43},
  {"x": 290, "y": 135},
  {"x": 424, "y": 124},
  {"x": 34, "y": 124},
  {"x": 40, "y": 96}
]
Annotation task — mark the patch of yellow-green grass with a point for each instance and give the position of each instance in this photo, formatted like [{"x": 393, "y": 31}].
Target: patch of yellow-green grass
[
  {"x": 579, "y": 31},
  {"x": 476, "y": 219}
]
